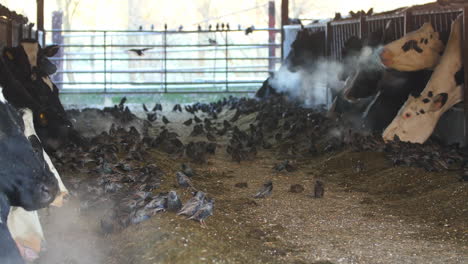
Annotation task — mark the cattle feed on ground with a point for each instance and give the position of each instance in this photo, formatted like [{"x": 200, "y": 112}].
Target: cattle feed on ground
[{"x": 418, "y": 117}]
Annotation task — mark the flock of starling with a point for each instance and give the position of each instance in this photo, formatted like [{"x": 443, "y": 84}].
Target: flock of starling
[{"x": 125, "y": 180}]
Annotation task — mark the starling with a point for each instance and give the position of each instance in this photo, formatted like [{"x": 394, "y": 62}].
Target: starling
[
  {"x": 177, "y": 108},
  {"x": 227, "y": 26},
  {"x": 152, "y": 27},
  {"x": 122, "y": 103},
  {"x": 199, "y": 28},
  {"x": 319, "y": 189},
  {"x": 249, "y": 30},
  {"x": 165, "y": 121},
  {"x": 165, "y": 27},
  {"x": 158, "y": 203},
  {"x": 204, "y": 211},
  {"x": 188, "y": 122},
  {"x": 222, "y": 26},
  {"x": 265, "y": 190},
  {"x": 139, "y": 52},
  {"x": 183, "y": 180},
  {"x": 173, "y": 202},
  {"x": 217, "y": 26},
  {"x": 212, "y": 42},
  {"x": 150, "y": 115},
  {"x": 210, "y": 137},
  {"x": 181, "y": 28},
  {"x": 192, "y": 205},
  {"x": 187, "y": 170},
  {"x": 209, "y": 27},
  {"x": 198, "y": 120},
  {"x": 140, "y": 28}
]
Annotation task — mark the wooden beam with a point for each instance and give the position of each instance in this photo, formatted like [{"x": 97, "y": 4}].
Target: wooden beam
[
  {"x": 465, "y": 64},
  {"x": 284, "y": 21},
  {"x": 40, "y": 15},
  {"x": 408, "y": 22}
]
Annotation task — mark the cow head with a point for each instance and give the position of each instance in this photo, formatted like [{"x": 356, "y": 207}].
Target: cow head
[
  {"x": 418, "y": 50},
  {"x": 418, "y": 117},
  {"x": 306, "y": 48},
  {"x": 25, "y": 177},
  {"x": 30, "y": 65}
]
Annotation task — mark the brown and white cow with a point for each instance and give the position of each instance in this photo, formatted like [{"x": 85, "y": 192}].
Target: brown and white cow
[
  {"x": 418, "y": 117},
  {"x": 24, "y": 226},
  {"x": 417, "y": 50}
]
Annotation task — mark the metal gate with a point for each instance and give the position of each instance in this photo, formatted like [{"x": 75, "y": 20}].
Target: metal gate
[{"x": 201, "y": 61}]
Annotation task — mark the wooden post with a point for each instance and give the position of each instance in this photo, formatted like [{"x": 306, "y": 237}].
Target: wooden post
[
  {"x": 363, "y": 27},
  {"x": 408, "y": 22},
  {"x": 465, "y": 64},
  {"x": 57, "y": 39},
  {"x": 40, "y": 20},
  {"x": 271, "y": 35},
  {"x": 284, "y": 21},
  {"x": 9, "y": 34}
]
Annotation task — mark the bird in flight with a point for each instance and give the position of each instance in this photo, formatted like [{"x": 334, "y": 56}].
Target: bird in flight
[{"x": 139, "y": 52}]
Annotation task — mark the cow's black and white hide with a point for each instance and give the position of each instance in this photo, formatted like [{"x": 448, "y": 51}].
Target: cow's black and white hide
[
  {"x": 31, "y": 67},
  {"x": 419, "y": 115},
  {"x": 9, "y": 253}
]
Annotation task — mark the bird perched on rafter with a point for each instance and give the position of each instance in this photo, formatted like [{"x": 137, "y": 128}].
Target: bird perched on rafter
[
  {"x": 139, "y": 52},
  {"x": 199, "y": 28},
  {"x": 152, "y": 27},
  {"x": 222, "y": 26},
  {"x": 140, "y": 28},
  {"x": 217, "y": 26},
  {"x": 209, "y": 27},
  {"x": 165, "y": 27},
  {"x": 227, "y": 26},
  {"x": 181, "y": 27}
]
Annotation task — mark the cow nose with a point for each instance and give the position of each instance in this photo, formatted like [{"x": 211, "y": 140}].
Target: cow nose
[
  {"x": 386, "y": 57},
  {"x": 46, "y": 195}
]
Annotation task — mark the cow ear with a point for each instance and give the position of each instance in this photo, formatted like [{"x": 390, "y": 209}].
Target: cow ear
[
  {"x": 438, "y": 102},
  {"x": 51, "y": 50}
]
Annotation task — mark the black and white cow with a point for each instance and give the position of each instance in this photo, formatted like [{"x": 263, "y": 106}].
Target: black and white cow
[
  {"x": 29, "y": 64},
  {"x": 26, "y": 179},
  {"x": 418, "y": 117}
]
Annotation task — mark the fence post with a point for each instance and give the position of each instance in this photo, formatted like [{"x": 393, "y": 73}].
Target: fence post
[
  {"x": 328, "y": 53},
  {"x": 408, "y": 22},
  {"x": 284, "y": 21},
  {"x": 57, "y": 39},
  {"x": 9, "y": 32},
  {"x": 465, "y": 62}
]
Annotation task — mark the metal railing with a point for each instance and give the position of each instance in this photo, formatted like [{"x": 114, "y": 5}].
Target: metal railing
[{"x": 202, "y": 61}]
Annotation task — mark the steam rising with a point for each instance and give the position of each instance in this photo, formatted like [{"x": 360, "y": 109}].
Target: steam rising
[{"x": 316, "y": 83}]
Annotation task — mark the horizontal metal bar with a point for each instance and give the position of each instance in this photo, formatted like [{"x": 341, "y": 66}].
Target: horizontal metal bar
[
  {"x": 116, "y": 91},
  {"x": 160, "y": 59},
  {"x": 162, "y": 46},
  {"x": 165, "y": 71},
  {"x": 160, "y": 83},
  {"x": 160, "y": 31}
]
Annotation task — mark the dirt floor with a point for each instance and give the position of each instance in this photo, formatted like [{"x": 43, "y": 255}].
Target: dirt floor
[{"x": 372, "y": 212}]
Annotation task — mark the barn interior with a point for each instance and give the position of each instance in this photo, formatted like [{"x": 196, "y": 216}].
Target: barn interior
[{"x": 268, "y": 132}]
